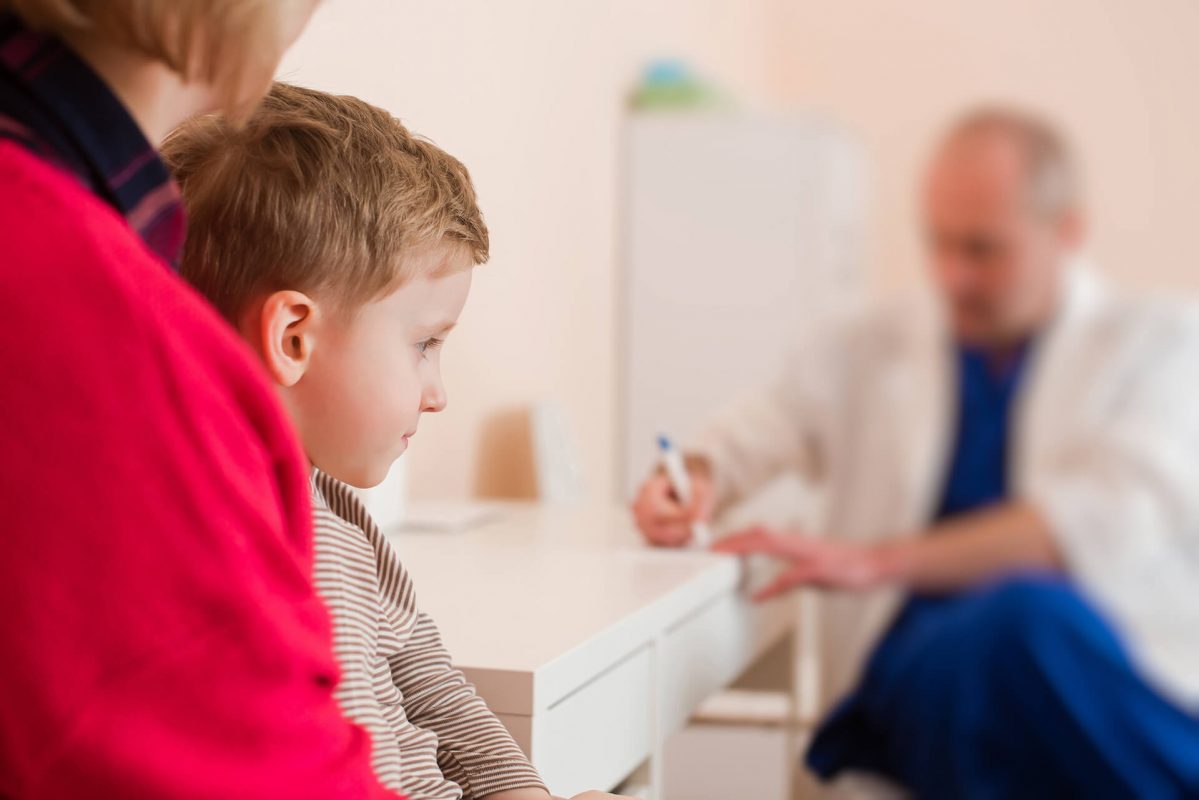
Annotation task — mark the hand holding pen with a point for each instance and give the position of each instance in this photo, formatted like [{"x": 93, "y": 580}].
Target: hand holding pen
[{"x": 676, "y": 503}]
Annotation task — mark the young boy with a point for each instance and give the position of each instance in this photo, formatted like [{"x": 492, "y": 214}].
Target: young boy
[{"x": 340, "y": 246}]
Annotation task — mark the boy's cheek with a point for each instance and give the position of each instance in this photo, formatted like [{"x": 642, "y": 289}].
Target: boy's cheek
[{"x": 392, "y": 414}]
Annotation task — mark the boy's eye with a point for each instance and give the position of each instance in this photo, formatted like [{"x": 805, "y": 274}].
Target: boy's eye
[{"x": 427, "y": 345}]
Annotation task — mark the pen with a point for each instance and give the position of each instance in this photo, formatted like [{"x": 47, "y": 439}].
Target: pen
[{"x": 680, "y": 481}]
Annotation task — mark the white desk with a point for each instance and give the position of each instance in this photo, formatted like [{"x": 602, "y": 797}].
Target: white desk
[{"x": 589, "y": 646}]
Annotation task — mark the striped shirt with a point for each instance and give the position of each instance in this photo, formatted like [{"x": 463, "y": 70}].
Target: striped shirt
[
  {"x": 433, "y": 737},
  {"x": 54, "y": 105}
]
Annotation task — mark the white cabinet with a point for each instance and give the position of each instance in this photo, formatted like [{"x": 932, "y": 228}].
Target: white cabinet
[{"x": 737, "y": 230}]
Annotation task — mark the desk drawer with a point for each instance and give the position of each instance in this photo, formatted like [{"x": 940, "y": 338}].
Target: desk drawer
[
  {"x": 594, "y": 737},
  {"x": 706, "y": 652}
]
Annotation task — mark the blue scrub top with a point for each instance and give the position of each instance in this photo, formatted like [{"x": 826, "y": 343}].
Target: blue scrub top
[{"x": 978, "y": 467}]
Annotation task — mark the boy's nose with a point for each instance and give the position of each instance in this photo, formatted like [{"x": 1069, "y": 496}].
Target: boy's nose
[{"x": 434, "y": 399}]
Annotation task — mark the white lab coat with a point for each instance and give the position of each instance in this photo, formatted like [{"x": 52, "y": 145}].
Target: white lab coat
[{"x": 1106, "y": 444}]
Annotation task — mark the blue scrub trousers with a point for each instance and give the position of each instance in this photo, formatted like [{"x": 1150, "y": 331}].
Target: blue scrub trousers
[{"x": 1016, "y": 690}]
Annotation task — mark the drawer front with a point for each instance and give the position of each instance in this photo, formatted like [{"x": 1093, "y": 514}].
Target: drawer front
[
  {"x": 706, "y": 652},
  {"x": 594, "y": 737}
]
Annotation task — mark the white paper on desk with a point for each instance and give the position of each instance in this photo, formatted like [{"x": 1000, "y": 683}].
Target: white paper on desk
[{"x": 447, "y": 518}]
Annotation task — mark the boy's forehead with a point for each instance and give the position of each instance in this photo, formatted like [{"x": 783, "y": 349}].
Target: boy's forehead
[
  {"x": 432, "y": 301},
  {"x": 442, "y": 258}
]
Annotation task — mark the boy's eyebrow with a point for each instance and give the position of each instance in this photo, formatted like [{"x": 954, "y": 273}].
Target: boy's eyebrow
[{"x": 439, "y": 327}]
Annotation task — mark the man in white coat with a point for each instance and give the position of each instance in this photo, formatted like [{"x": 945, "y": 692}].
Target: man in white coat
[{"x": 1012, "y": 516}]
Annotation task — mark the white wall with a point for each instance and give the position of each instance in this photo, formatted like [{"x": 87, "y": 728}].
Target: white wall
[{"x": 528, "y": 93}]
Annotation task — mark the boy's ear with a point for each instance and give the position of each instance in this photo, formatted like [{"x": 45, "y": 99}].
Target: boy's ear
[{"x": 287, "y": 334}]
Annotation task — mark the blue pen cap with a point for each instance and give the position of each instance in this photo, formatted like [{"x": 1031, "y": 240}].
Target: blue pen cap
[{"x": 664, "y": 442}]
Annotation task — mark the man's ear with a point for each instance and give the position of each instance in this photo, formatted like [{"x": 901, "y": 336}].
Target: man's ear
[
  {"x": 1073, "y": 229},
  {"x": 287, "y": 334}
]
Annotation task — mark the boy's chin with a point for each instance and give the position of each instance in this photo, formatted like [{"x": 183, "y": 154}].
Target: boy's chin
[
  {"x": 368, "y": 476},
  {"x": 370, "y": 479},
  {"x": 365, "y": 477}
]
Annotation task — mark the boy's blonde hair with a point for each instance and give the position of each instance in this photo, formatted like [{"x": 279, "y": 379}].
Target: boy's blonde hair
[
  {"x": 234, "y": 45},
  {"x": 318, "y": 193}
]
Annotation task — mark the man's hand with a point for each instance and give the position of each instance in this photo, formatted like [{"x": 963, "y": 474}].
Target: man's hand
[
  {"x": 953, "y": 555},
  {"x": 662, "y": 519},
  {"x": 823, "y": 563}
]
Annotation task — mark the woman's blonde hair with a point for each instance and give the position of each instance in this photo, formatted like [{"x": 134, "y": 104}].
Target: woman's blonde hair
[{"x": 234, "y": 45}]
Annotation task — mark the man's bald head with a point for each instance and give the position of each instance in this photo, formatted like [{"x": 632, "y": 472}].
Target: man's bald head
[{"x": 1002, "y": 207}]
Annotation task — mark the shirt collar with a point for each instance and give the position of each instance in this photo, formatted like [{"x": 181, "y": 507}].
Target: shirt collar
[
  {"x": 997, "y": 365},
  {"x": 62, "y": 110}
]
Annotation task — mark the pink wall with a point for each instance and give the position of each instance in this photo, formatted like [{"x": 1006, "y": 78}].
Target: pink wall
[
  {"x": 1119, "y": 77},
  {"x": 528, "y": 93}
]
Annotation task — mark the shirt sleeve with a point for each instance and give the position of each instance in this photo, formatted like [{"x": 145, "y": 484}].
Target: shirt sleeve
[
  {"x": 474, "y": 748},
  {"x": 1120, "y": 497},
  {"x": 777, "y": 428}
]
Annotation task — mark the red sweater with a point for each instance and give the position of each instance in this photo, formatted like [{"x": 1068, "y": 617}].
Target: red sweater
[{"x": 159, "y": 631}]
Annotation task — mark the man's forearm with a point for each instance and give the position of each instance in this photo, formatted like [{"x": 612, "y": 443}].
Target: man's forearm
[{"x": 966, "y": 551}]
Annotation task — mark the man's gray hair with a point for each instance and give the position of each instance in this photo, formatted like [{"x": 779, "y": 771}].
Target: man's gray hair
[{"x": 1054, "y": 183}]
